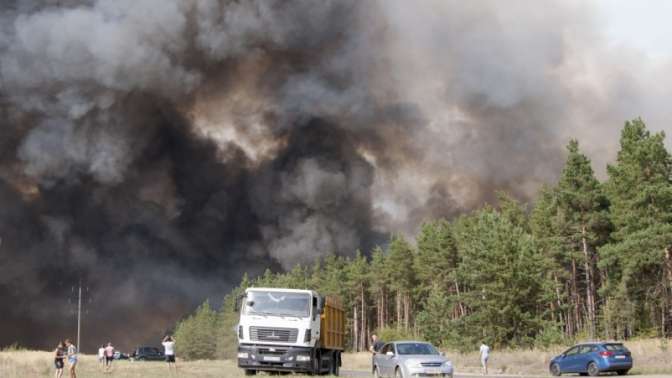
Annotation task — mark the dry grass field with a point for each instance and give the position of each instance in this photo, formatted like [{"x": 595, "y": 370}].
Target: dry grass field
[
  {"x": 652, "y": 358},
  {"x": 29, "y": 364}
]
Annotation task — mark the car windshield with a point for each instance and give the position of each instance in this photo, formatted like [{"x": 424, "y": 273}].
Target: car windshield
[
  {"x": 278, "y": 303},
  {"x": 416, "y": 348},
  {"x": 615, "y": 347}
]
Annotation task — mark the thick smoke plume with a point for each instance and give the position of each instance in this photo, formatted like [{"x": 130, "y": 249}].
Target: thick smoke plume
[{"x": 157, "y": 149}]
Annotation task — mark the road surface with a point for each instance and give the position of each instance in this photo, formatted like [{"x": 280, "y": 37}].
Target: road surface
[{"x": 362, "y": 374}]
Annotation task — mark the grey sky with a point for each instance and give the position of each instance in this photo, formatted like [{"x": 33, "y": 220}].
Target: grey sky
[{"x": 640, "y": 24}]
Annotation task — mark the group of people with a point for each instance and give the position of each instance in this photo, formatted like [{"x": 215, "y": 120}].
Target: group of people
[
  {"x": 106, "y": 356},
  {"x": 65, "y": 350},
  {"x": 484, "y": 351}
]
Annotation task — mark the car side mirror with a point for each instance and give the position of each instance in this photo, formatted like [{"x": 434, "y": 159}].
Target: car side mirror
[
  {"x": 250, "y": 303},
  {"x": 389, "y": 354}
]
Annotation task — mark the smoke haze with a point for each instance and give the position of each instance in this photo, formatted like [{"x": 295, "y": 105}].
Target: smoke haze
[{"x": 158, "y": 149}]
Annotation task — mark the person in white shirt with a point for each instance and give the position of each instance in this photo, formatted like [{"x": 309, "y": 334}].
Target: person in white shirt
[
  {"x": 485, "y": 354},
  {"x": 101, "y": 356},
  {"x": 169, "y": 351}
]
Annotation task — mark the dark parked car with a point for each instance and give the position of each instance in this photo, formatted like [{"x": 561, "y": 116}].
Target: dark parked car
[
  {"x": 593, "y": 359},
  {"x": 146, "y": 353}
]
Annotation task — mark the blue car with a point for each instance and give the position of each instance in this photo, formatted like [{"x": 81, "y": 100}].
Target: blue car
[{"x": 593, "y": 359}]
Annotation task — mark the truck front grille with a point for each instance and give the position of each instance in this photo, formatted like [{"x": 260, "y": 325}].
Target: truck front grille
[{"x": 285, "y": 335}]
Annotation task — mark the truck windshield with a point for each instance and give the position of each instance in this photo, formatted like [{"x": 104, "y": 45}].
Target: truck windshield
[{"x": 278, "y": 303}]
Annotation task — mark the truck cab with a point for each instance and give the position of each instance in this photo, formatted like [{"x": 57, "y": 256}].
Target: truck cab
[{"x": 281, "y": 330}]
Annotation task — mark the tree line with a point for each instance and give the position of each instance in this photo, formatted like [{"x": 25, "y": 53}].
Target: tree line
[{"x": 586, "y": 260}]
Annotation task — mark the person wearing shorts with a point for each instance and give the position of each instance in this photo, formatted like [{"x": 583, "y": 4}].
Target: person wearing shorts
[
  {"x": 72, "y": 357},
  {"x": 109, "y": 356},
  {"x": 59, "y": 356},
  {"x": 169, "y": 351}
]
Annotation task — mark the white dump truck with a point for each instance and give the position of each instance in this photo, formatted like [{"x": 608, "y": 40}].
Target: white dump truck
[{"x": 290, "y": 330}]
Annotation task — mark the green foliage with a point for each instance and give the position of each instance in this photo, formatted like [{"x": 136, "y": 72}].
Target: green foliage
[
  {"x": 391, "y": 334},
  {"x": 504, "y": 270},
  {"x": 194, "y": 336}
]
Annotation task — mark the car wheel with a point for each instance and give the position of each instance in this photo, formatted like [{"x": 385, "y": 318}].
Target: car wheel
[
  {"x": 555, "y": 370},
  {"x": 398, "y": 373},
  {"x": 375, "y": 373},
  {"x": 593, "y": 371},
  {"x": 623, "y": 372}
]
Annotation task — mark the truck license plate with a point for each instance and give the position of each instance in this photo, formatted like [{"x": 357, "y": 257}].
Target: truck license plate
[{"x": 271, "y": 358}]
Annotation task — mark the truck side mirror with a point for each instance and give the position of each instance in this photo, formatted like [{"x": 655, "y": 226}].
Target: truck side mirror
[
  {"x": 320, "y": 305},
  {"x": 238, "y": 301}
]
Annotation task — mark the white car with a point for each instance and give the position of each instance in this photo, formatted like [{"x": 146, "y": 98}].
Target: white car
[{"x": 406, "y": 359}]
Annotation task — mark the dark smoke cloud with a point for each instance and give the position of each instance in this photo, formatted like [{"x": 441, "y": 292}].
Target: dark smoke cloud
[{"x": 158, "y": 149}]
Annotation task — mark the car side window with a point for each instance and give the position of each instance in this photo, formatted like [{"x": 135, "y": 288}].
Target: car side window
[
  {"x": 386, "y": 348},
  {"x": 572, "y": 351},
  {"x": 586, "y": 349}
]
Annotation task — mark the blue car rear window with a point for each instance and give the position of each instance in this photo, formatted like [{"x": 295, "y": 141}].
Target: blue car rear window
[{"x": 615, "y": 347}]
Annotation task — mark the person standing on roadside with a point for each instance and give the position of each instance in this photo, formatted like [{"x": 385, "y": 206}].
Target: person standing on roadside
[
  {"x": 59, "y": 356},
  {"x": 101, "y": 356},
  {"x": 109, "y": 357},
  {"x": 485, "y": 355},
  {"x": 169, "y": 351},
  {"x": 72, "y": 357},
  {"x": 375, "y": 347},
  {"x": 376, "y": 344}
]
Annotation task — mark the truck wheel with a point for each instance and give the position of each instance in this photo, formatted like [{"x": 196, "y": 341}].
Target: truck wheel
[
  {"x": 250, "y": 372},
  {"x": 335, "y": 364}
]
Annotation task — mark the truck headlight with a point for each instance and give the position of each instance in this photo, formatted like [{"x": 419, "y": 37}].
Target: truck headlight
[
  {"x": 243, "y": 355},
  {"x": 302, "y": 357}
]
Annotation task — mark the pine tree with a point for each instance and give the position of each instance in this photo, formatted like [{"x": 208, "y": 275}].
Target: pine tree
[
  {"x": 545, "y": 227},
  {"x": 433, "y": 322},
  {"x": 583, "y": 213},
  {"x": 357, "y": 284},
  {"x": 638, "y": 258},
  {"x": 379, "y": 286},
  {"x": 436, "y": 262},
  {"x": 504, "y": 273},
  {"x": 402, "y": 278},
  {"x": 196, "y": 336}
]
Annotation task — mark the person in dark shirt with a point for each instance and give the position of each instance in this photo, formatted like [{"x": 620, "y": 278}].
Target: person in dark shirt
[{"x": 376, "y": 344}]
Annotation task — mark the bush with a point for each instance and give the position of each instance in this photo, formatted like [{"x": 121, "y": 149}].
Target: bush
[
  {"x": 388, "y": 334},
  {"x": 196, "y": 336}
]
